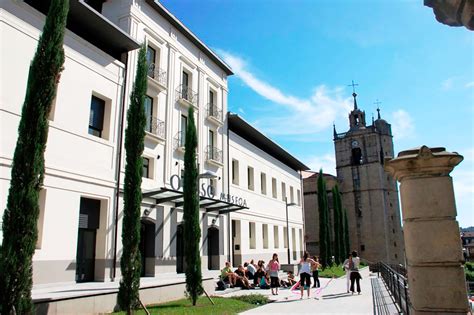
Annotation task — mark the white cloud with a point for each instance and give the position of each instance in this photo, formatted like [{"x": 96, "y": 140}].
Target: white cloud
[
  {"x": 327, "y": 162},
  {"x": 241, "y": 110},
  {"x": 469, "y": 84},
  {"x": 402, "y": 124},
  {"x": 305, "y": 115},
  {"x": 447, "y": 84}
]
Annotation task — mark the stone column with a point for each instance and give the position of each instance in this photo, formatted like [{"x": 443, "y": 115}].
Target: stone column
[{"x": 432, "y": 242}]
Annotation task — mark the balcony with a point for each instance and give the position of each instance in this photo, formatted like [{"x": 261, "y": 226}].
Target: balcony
[
  {"x": 214, "y": 155},
  {"x": 214, "y": 113},
  {"x": 155, "y": 129},
  {"x": 179, "y": 141},
  {"x": 157, "y": 77},
  {"x": 186, "y": 96}
]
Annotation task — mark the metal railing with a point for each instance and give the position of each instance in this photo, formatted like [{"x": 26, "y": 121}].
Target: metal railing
[
  {"x": 184, "y": 92},
  {"x": 155, "y": 126},
  {"x": 214, "y": 111},
  {"x": 397, "y": 284},
  {"x": 179, "y": 140},
  {"x": 214, "y": 154},
  {"x": 157, "y": 73}
]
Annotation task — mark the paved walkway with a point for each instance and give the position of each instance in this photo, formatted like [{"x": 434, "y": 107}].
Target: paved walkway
[{"x": 332, "y": 299}]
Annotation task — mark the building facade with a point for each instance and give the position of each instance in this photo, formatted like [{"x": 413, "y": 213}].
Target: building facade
[
  {"x": 369, "y": 194},
  {"x": 81, "y": 201},
  {"x": 311, "y": 208}
]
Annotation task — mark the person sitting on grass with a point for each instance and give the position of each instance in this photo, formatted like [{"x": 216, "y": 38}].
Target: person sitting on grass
[
  {"x": 242, "y": 280},
  {"x": 290, "y": 281},
  {"x": 228, "y": 276}
]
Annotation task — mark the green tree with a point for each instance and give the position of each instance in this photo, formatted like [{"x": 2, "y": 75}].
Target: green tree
[
  {"x": 339, "y": 250},
  {"x": 324, "y": 238},
  {"x": 347, "y": 244},
  {"x": 130, "y": 262},
  {"x": 192, "y": 230},
  {"x": 20, "y": 230}
]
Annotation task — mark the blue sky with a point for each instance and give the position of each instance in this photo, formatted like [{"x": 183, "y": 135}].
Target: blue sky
[{"x": 294, "y": 59}]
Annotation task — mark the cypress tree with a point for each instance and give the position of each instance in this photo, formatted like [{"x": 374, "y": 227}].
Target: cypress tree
[
  {"x": 130, "y": 262},
  {"x": 347, "y": 244},
  {"x": 324, "y": 246},
  {"x": 20, "y": 231},
  {"x": 192, "y": 230},
  {"x": 336, "y": 227}
]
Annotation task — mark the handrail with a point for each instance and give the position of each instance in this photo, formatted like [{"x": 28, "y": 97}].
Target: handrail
[
  {"x": 186, "y": 93},
  {"x": 214, "y": 154},
  {"x": 397, "y": 284},
  {"x": 214, "y": 111},
  {"x": 157, "y": 74},
  {"x": 156, "y": 127}
]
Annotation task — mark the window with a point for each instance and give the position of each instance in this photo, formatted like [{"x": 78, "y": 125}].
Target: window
[
  {"x": 252, "y": 235},
  {"x": 211, "y": 138},
  {"x": 298, "y": 197},
  {"x": 96, "y": 116},
  {"x": 276, "y": 239},
  {"x": 211, "y": 152},
  {"x": 250, "y": 178},
  {"x": 292, "y": 197},
  {"x": 148, "y": 113},
  {"x": 146, "y": 168},
  {"x": 362, "y": 247},
  {"x": 301, "y": 240},
  {"x": 265, "y": 235},
  {"x": 283, "y": 191},
  {"x": 185, "y": 86},
  {"x": 211, "y": 97},
  {"x": 285, "y": 237},
  {"x": 184, "y": 125},
  {"x": 185, "y": 79},
  {"x": 274, "y": 187},
  {"x": 293, "y": 242},
  {"x": 263, "y": 183},
  {"x": 235, "y": 172},
  {"x": 151, "y": 61},
  {"x": 356, "y": 156}
]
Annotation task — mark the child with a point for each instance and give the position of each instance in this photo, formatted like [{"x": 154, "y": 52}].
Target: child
[
  {"x": 314, "y": 268},
  {"x": 305, "y": 273},
  {"x": 274, "y": 267}
]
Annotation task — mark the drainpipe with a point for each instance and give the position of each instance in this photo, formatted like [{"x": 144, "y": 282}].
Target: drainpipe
[
  {"x": 229, "y": 243},
  {"x": 119, "y": 166}
]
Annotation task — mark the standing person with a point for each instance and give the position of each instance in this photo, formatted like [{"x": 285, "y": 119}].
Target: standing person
[
  {"x": 273, "y": 268},
  {"x": 355, "y": 275},
  {"x": 305, "y": 273},
  {"x": 315, "y": 269},
  {"x": 347, "y": 265}
]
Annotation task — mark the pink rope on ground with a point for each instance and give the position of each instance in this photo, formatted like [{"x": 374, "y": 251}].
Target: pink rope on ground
[{"x": 296, "y": 290}]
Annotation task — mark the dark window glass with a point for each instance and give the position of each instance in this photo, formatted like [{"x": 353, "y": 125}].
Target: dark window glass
[
  {"x": 356, "y": 156},
  {"x": 148, "y": 113},
  {"x": 146, "y": 168},
  {"x": 184, "y": 124},
  {"x": 150, "y": 60},
  {"x": 96, "y": 116}
]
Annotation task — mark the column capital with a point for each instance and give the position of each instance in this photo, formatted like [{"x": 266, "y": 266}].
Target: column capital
[{"x": 422, "y": 162}]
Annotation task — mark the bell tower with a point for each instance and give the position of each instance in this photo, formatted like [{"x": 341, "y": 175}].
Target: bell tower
[{"x": 368, "y": 193}]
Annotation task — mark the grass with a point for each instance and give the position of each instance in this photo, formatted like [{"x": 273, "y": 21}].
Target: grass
[
  {"x": 334, "y": 271},
  {"x": 225, "y": 306}
]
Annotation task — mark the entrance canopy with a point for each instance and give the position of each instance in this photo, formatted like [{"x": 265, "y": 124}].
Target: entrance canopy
[{"x": 163, "y": 195}]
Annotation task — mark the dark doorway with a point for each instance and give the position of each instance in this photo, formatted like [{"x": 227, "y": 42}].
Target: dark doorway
[
  {"x": 213, "y": 248},
  {"x": 89, "y": 214},
  {"x": 147, "y": 247},
  {"x": 180, "y": 264}
]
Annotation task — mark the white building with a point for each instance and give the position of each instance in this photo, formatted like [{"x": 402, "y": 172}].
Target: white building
[{"x": 81, "y": 203}]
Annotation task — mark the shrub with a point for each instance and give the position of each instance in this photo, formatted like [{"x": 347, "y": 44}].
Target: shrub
[{"x": 255, "y": 299}]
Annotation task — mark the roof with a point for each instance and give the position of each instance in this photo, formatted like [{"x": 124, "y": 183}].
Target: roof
[
  {"x": 252, "y": 135},
  {"x": 189, "y": 35},
  {"x": 92, "y": 26}
]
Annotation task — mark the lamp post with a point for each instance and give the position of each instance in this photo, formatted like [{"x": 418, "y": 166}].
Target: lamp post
[{"x": 288, "y": 227}]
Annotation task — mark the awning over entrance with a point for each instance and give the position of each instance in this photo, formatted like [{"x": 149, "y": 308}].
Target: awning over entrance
[{"x": 163, "y": 195}]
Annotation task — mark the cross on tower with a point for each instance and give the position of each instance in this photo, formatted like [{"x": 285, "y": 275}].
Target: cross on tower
[
  {"x": 377, "y": 102},
  {"x": 353, "y": 86}
]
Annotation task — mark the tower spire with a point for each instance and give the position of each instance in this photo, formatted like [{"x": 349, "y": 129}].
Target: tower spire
[
  {"x": 377, "y": 102},
  {"x": 334, "y": 130},
  {"x": 354, "y": 94}
]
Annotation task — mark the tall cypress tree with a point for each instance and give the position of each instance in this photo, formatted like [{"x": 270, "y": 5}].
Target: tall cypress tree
[
  {"x": 347, "y": 244},
  {"x": 192, "y": 230},
  {"x": 20, "y": 231},
  {"x": 130, "y": 262},
  {"x": 336, "y": 227},
  {"x": 324, "y": 246}
]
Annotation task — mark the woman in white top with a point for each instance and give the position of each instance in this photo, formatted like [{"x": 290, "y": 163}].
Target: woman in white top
[
  {"x": 305, "y": 273},
  {"x": 354, "y": 269},
  {"x": 346, "y": 264}
]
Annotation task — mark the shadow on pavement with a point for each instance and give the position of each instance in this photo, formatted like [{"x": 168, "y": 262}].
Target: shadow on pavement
[{"x": 336, "y": 296}]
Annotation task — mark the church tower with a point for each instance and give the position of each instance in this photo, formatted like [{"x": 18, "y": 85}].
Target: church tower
[{"x": 369, "y": 194}]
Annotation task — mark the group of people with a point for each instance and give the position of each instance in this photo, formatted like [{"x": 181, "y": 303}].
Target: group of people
[{"x": 265, "y": 276}]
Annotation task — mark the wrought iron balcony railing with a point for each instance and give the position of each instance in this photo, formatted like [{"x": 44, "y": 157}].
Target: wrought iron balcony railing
[
  {"x": 214, "y": 112},
  {"x": 179, "y": 140},
  {"x": 155, "y": 126},
  {"x": 157, "y": 73},
  {"x": 184, "y": 92},
  {"x": 214, "y": 154}
]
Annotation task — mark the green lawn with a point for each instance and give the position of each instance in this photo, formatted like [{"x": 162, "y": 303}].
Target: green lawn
[
  {"x": 334, "y": 271},
  {"x": 225, "y": 306}
]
